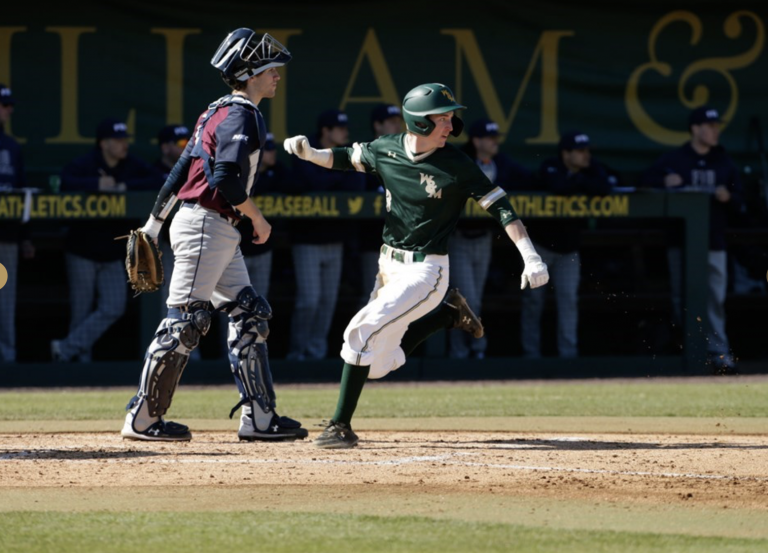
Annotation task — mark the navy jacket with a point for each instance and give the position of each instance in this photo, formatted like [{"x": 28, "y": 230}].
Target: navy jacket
[
  {"x": 11, "y": 177},
  {"x": 704, "y": 173},
  {"x": 563, "y": 235},
  {"x": 309, "y": 178},
  {"x": 94, "y": 239}
]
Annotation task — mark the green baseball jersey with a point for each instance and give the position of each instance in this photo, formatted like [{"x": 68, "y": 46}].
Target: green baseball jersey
[{"x": 425, "y": 194}]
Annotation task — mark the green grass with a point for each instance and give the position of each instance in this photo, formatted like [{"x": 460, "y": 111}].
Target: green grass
[
  {"x": 642, "y": 399},
  {"x": 185, "y": 532}
]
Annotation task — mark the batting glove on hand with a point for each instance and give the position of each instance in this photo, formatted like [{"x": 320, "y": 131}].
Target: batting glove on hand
[
  {"x": 299, "y": 146},
  {"x": 535, "y": 273}
]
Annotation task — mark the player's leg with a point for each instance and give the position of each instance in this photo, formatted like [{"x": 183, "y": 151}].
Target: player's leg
[
  {"x": 249, "y": 316},
  {"x": 111, "y": 299},
  {"x": 453, "y": 312},
  {"x": 306, "y": 266},
  {"x": 329, "y": 281},
  {"x": 403, "y": 293},
  {"x": 481, "y": 264},
  {"x": 203, "y": 245},
  {"x": 567, "y": 274},
  {"x": 81, "y": 273},
  {"x": 166, "y": 357},
  {"x": 718, "y": 347},
  {"x": 531, "y": 309}
]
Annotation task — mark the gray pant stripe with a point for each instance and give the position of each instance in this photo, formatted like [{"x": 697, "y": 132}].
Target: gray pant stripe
[{"x": 434, "y": 289}]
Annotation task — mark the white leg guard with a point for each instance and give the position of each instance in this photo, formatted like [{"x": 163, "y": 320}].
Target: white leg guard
[
  {"x": 167, "y": 355},
  {"x": 249, "y": 360}
]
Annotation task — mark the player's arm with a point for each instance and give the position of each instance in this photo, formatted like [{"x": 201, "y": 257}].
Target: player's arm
[
  {"x": 495, "y": 201},
  {"x": 166, "y": 198},
  {"x": 535, "y": 271},
  {"x": 299, "y": 146}
]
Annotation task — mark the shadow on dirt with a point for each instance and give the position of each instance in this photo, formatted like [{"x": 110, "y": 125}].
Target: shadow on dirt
[{"x": 583, "y": 444}]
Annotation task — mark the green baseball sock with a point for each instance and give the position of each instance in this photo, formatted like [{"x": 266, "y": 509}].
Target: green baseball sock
[
  {"x": 353, "y": 379},
  {"x": 421, "y": 329}
]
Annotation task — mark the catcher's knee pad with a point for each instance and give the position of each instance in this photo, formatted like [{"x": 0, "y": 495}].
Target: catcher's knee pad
[
  {"x": 167, "y": 355},
  {"x": 249, "y": 318}
]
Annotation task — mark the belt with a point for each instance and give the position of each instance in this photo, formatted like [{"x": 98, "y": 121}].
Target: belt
[
  {"x": 403, "y": 256},
  {"x": 231, "y": 220}
]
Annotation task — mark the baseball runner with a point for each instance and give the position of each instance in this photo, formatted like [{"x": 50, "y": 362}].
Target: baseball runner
[
  {"x": 214, "y": 179},
  {"x": 427, "y": 183}
]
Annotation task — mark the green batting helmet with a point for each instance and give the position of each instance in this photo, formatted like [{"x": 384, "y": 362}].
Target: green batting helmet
[{"x": 427, "y": 99}]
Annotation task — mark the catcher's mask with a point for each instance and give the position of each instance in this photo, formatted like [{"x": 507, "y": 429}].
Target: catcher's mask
[
  {"x": 245, "y": 54},
  {"x": 425, "y": 100}
]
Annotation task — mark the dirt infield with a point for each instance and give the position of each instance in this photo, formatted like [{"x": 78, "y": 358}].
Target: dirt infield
[{"x": 83, "y": 471}]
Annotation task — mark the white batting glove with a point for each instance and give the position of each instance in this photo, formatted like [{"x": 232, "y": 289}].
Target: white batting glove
[
  {"x": 535, "y": 273},
  {"x": 299, "y": 146}
]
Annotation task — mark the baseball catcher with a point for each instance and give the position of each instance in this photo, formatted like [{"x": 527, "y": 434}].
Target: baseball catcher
[
  {"x": 214, "y": 180},
  {"x": 143, "y": 262}
]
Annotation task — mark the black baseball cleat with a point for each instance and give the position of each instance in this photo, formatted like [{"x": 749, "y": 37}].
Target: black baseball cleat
[
  {"x": 280, "y": 428},
  {"x": 160, "y": 431},
  {"x": 337, "y": 435},
  {"x": 464, "y": 318}
]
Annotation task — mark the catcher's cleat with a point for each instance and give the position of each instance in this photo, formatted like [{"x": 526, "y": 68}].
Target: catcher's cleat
[
  {"x": 464, "y": 318},
  {"x": 160, "y": 431},
  {"x": 281, "y": 428},
  {"x": 337, "y": 435}
]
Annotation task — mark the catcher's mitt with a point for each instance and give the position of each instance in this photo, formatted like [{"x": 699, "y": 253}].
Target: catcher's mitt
[{"x": 143, "y": 262}]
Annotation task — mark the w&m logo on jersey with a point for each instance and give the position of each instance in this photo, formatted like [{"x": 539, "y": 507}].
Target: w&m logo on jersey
[{"x": 431, "y": 188}]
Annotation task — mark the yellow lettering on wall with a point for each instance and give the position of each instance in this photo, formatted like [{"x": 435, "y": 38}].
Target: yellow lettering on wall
[
  {"x": 546, "y": 50},
  {"x": 174, "y": 72},
  {"x": 6, "y": 34},
  {"x": 721, "y": 65},
  {"x": 372, "y": 51},
  {"x": 69, "y": 132},
  {"x": 278, "y": 106}
]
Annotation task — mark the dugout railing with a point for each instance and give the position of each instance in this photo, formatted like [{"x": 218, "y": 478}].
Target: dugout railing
[{"x": 50, "y": 213}]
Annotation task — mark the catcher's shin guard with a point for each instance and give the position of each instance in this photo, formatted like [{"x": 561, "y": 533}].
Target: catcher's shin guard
[
  {"x": 249, "y": 360},
  {"x": 164, "y": 363}
]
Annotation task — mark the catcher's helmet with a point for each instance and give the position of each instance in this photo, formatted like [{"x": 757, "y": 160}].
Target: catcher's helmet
[
  {"x": 426, "y": 99},
  {"x": 244, "y": 54}
]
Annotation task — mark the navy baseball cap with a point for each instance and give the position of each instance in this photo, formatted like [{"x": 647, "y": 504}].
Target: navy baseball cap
[
  {"x": 482, "y": 128},
  {"x": 574, "y": 140},
  {"x": 112, "y": 128},
  {"x": 269, "y": 143},
  {"x": 704, "y": 114},
  {"x": 332, "y": 118},
  {"x": 174, "y": 133},
  {"x": 6, "y": 97},
  {"x": 382, "y": 112}
]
